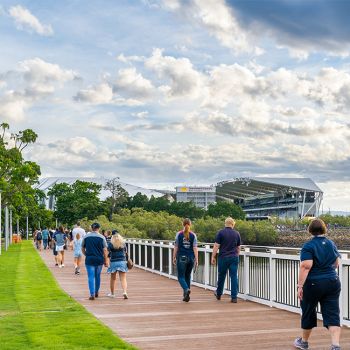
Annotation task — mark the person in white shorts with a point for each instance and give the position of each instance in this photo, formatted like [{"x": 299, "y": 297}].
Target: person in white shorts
[{"x": 60, "y": 240}]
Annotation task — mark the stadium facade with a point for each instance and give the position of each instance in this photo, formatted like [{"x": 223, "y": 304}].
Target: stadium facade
[
  {"x": 201, "y": 196},
  {"x": 281, "y": 197},
  {"x": 46, "y": 183}
]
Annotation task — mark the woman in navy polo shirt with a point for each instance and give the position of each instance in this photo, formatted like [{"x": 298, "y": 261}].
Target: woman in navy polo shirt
[
  {"x": 319, "y": 283},
  {"x": 185, "y": 257}
]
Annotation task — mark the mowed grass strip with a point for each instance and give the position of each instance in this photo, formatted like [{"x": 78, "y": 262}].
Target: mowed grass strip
[{"x": 36, "y": 314}]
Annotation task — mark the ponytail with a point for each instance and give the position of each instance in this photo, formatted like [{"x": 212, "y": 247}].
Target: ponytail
[{"x": 187, "y": 225}]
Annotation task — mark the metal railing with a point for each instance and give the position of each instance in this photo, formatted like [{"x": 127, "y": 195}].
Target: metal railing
[{"x": 266, "y": 275}]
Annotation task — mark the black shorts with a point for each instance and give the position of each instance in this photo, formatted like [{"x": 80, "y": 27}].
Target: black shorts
[
  {"x": 326, "y": 292},
  {"x": 54, "y": 250}
]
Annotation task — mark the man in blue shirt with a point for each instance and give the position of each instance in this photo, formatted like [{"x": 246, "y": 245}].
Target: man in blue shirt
[
  {"x": 228, "y": 243},
  {"x": 94, "y": 247}
]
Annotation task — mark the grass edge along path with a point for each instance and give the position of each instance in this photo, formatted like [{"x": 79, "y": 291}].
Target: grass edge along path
[{"x": 35, "y": 313}]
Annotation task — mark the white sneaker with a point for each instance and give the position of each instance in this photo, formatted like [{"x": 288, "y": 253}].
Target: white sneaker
[
  {"x": 125, "y": 296},
  {"x": 110, "y": 295},
  {"x": 60, "y": 266}
]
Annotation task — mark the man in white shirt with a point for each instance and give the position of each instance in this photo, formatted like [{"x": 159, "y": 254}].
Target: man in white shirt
[{"x": 79, "y": 230}]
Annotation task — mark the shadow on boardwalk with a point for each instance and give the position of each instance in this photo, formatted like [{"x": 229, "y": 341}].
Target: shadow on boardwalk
[{"x": 156, "y": 318}]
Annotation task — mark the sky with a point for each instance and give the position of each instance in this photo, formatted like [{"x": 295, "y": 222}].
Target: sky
[{"x": 170, "y": 92}]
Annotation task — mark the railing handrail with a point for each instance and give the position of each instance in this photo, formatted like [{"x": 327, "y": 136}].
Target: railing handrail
[{"x": 243, "y": 246}]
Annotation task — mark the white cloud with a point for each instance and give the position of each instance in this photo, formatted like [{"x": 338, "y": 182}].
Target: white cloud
[
  {"x": 24, "y": 19},
  {"x": 140, "y": 115},
  {"x": 179, "y": 73},
  {"x": 32, "y": 81},
  {"x": 102, "y": 93},
  {"x": 133, "y": 84}
]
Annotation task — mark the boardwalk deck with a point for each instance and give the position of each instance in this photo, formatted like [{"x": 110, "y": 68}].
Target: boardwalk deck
[{"x": 156, "y": 318}]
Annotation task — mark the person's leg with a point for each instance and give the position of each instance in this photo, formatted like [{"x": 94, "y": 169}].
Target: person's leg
[
  {"x": 181, "y": 268},
  {"x": 98, "y": 270},
  {"x": 222, "y": 271},
  {"x": 122, "y": 277},
  {"x": 306, "y": 334},
  {"x": 91, "y": 279},
  {"x": 188, "y": 272},
  {"x": 234, "y": 277},
  {"x": 113, "y": 282},
  {"x": 75, "y": 262},
  {"x": 335, "y": 334},
  {"x": 330, "y": 308},
  {"x": 62, "y": 257},
  {"x": 78, "y": 262}
]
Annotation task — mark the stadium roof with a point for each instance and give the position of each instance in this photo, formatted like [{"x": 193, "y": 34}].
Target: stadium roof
[
  {"x": 48, "y": 182},
  {"x": 245, "y": 187}
]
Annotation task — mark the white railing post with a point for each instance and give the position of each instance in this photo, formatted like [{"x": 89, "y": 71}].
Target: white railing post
[
  {"x": 140, "y": 260},
  {"x": 272, "y": 266},
  {"x": 170, "y": 258},
  {"x": 342, "y": 294},
  {"x": 246, "y": 272},
  {"x": 146, "y": 260},
  {"x": 129, "y": 247},
  {"x": 206, "y": 265},
  {"x": 153, "y": 243},
  {"x": 161, "y": 257},
  {"x": 134, "y": 250}
]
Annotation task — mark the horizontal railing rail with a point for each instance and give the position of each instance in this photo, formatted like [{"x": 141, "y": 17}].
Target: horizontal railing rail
[{"x": 266, "y": 275}]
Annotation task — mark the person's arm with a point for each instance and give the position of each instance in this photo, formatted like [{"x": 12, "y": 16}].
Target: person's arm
[
  {"x": 105, "y": 255},
  {"x": 215, "y": 251},
  {"x": 83, "y": 250},
  {"x": 175, "y": 254},
  {"x": 305, "y": 267},
  {"x": 195, "y": 251}
]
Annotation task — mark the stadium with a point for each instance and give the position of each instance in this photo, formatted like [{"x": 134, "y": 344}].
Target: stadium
[{"x": 281, "y": 197}]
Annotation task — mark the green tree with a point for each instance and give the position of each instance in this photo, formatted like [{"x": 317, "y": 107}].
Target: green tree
[
  {"x": 76, "y": 201},
  {"x": 138, "y": 201},
  {"x": 224, "y": 208},
  {"x": 119, "y": 196},
  {"x": 158, "y": 204},
  {"x": 186, "y": 210},
  {"x": 18, "y": 176}
]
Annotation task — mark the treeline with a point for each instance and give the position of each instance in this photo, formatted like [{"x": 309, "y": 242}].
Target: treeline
[
  {"x": 81, "y": 199},
  {"x": 139, "y": 223}
]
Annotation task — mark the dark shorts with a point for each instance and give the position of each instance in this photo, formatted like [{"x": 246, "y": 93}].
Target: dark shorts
[
  {"x": 326, "y": 292},
  {"x": 54, "y": 250}
]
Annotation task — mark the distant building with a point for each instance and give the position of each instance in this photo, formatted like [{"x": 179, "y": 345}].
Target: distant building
[
  {"x": 46, "y": 183},
  {"x": 200, "y": 196},
  {"x": 282, "y": 197}
]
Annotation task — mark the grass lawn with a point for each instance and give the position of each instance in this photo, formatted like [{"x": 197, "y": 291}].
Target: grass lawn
[{"x": 36, "y": 314}]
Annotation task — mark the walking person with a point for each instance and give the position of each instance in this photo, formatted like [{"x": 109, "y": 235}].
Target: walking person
[
  {"x": 38, "y": 239},
  {"x": 118, "y": 265},
  {"x": 319, "y": 283},
  {"x": 94, "y": 247},
  {"x": 228, "y": 242},
  {"x": 45, "y": 235},
  {"x": 60, "y": 239},
  {"x": 77, "y": 253},
  {"x": 185, "y": 257},
  {"x": 78, "y": 229}
]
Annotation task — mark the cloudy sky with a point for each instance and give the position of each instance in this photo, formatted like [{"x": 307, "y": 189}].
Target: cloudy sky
[{"x": 165, "y": 92}]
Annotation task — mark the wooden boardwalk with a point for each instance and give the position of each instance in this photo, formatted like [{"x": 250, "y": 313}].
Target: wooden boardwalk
[{"x": 155, "y": 317}]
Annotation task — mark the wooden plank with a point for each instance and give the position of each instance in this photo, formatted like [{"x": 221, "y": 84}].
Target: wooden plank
[{"x": 155, "y": 317}]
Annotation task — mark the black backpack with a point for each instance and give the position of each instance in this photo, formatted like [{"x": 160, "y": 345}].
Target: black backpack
[{"x": 39, "y": 237}]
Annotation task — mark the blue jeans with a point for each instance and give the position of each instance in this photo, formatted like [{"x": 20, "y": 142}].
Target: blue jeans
[
  {"x": 231, "y": 264},
  {"x": 94, "y": 278},
  {"x": 184, "y": 269},
  {"x": 45, "y": 241}
]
